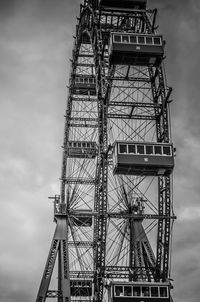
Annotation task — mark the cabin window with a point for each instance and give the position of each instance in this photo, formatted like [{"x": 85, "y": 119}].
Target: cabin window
[
  {"x": 158, "y": 150},
  {"x": 90, "y": 80},
  {"x": 157, "y": 41},
  {"x": 128, "y": 291},
  {"x": 125, "y": 39},
  {"x": 118, "y": 291},
  {"x": 149, "y": 150},
  {"x": 163, "y": 291},
  {"x": 122, "y": 148},
  {"x": 117, "y": 38},
  {"x": 145, "y": 291},
  {"x": 84, "y": 145},
  {"x": 166, "y": 150},
  {"x": 133, "y": 39},
  {"x": 140, "y": 40},
  {"x": 79, "y": 145},
  {"x": 140, "y": 149},
  {"x": 136, "y": 291},
  {"x": 131, "y": 149},
  {"x": 154, "y": 292},
  {"x": 85, "y": 80},
  {"x": 149, "y": 40}
]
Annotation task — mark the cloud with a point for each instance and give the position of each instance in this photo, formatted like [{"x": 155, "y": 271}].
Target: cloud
[
  {"x": 34, "y": 51},
  {"x": 189, "y": 214}
]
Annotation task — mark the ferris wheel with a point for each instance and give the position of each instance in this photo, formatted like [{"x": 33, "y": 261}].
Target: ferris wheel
[{"x": 114, "y": 214}]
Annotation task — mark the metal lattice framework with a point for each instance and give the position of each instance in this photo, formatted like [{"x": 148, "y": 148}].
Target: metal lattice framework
[{"x": 110, "y": 227}]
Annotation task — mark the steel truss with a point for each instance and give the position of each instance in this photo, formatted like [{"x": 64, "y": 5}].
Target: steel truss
[{"x": 130, "y": 217}]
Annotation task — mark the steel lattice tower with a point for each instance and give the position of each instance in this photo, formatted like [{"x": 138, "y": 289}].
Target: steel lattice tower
[{"x": 113, "y": 226}]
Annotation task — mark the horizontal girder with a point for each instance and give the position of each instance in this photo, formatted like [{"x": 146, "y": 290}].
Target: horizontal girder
[
  {"x": 139, "y": 217},
  {"x": 81, "y": 274},
  {"x": 86, "y": 181},
  {"x": 134, "y": 117},
  {"x": 81, "y": 244},
  {"x": 135, "y": 104},
  {"x": 86, "y": 125}
]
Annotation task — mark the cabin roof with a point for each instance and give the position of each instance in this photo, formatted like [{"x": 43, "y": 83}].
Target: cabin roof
[
  {"x": 145, "y": 283},
  {"x": 140, "y": 143}
]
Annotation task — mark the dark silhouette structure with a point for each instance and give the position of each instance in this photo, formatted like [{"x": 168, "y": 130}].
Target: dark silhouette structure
[{"x": 114, "y": 214}]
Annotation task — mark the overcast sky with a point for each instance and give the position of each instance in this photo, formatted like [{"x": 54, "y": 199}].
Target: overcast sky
[{"x": 35, "y": 48}]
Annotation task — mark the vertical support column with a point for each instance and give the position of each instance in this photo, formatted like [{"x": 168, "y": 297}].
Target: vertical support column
[
  {"x": 167, "y": 230},
  {"x": 63, "y": 273},
  {"x": 159, "y": 258},
  {"x": 58, "y": 247},
  {"x": 102, "y": 168},
  {"x": 63, "y": 264},
  {"x": 44, "y": 286}
]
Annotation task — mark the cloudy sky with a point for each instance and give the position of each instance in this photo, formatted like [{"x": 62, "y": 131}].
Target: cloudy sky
[{"x": 35, "y": 47}]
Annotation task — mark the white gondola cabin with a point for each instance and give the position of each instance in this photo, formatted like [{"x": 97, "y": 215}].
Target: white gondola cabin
[
  {"x": 138, "y": 158},
  {"x": 81, "y": 288},
  {"x": 85, "y": 85},
  {"x": 81, "y": 149},
  {"x": 139, "y": 292},
  {"x": 130, "y": 4},
  {"x": 136, "y": 49}
]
